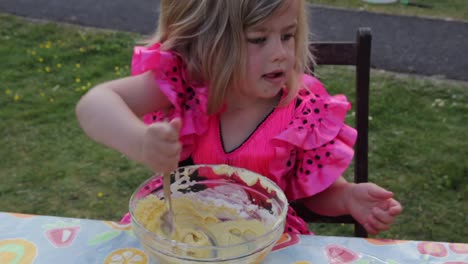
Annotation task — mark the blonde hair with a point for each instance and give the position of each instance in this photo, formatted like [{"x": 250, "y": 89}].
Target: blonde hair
[{"x": 210, "y": 37}]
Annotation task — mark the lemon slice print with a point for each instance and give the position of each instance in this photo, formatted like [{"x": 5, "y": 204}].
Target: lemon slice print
[{"x": 126, "y": 256}]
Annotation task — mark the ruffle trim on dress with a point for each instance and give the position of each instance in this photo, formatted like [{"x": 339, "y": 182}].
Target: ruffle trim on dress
[
  {"x": 317, "y": 146},
  {"x": 189, "y": 102}
]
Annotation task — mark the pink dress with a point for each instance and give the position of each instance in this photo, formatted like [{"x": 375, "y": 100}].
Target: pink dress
[{"x": 303, "y": 147}]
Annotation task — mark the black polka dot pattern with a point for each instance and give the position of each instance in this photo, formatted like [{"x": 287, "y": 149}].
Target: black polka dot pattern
[
  {"x": 308, "y": 162},
  {"x": 295, "y": 224},
  {"x": 310, "y": 110},
  {"x": 187, "y": 97}
]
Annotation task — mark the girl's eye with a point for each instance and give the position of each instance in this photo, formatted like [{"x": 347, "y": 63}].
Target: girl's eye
[
  {"x": 256, "y": 40},
  {"x": 287, "y": 37}
]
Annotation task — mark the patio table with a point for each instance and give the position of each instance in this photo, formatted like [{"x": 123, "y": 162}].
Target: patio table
[{"x": 51, "y": 239}]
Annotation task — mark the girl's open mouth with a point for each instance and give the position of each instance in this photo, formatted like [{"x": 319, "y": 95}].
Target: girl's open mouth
[
  {"x": 274, "y": 74},
  {"x": 275, "y": 77}
]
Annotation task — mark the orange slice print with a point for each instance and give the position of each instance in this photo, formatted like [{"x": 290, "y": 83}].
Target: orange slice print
[
  {"x": 19, "y": 251},
  {"x": 18, "y": 215},
  {"x": 382, "y": 242},
  {"x": 286, "y": 240}
]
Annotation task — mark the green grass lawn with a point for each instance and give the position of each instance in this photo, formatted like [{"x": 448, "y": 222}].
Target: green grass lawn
[
  {"x": 452, "y": 9},
  {"x": 48, "y": 166}
]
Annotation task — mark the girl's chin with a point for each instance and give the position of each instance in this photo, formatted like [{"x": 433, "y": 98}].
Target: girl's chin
[
  {"x": 272, "y": 93},
  {"x": 274, "y": 90}
]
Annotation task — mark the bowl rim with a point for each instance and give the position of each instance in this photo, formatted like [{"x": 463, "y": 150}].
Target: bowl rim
[{"x": 279, "y": 223}]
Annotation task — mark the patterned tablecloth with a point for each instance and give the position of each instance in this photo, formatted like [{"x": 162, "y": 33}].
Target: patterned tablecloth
[{"x": 48, "y": 239}]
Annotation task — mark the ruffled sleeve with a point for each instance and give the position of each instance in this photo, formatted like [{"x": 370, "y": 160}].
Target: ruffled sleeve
[
  {"x": 317, "y": 146},
  {"x": 188, "y": 100}
]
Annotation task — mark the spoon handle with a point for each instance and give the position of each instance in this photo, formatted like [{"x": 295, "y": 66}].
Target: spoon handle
[{"x": 167, "y": 191}]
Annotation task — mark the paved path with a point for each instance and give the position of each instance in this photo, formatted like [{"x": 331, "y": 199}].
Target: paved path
[{"x": 400, "y": 44}]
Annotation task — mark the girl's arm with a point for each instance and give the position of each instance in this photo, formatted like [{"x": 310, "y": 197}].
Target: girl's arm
[
  {"x": 371, "y": 205},
  {"x": 110, "y": 113},
  {"x": 333, "y": 200}
]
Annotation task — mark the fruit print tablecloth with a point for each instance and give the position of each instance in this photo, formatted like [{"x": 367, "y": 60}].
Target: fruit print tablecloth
[{"x": 48, "y": 239}]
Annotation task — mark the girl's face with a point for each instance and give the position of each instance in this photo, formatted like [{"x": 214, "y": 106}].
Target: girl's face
[{"x": 271, "y": 52}]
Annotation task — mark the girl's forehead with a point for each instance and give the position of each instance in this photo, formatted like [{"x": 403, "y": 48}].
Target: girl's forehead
[
  {"x": 287, "y": 6},
  {"x": 285, "y": 17}
]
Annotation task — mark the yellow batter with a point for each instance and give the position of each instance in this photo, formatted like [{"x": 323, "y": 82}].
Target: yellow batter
[{"x": 198, "y": 223}]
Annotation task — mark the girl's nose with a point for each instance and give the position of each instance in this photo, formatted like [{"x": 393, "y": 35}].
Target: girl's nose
[{"x": 278, "y": 50}]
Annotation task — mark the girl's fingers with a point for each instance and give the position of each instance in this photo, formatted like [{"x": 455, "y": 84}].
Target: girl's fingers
[
  {"x": 164, "y": 131},
  {"x": 169, "y": 153},
  {"x": 370, "y": 229},
  {"x": 165, "y": 163},
  {"x": 395, "y": 208},
  {"x": 176, "y": 124},
  {"x": 171, "y": 130},
  {"x": 170, "y": 134},
  {"x": 163, "y": 156},
  {"x": 382, "y": 216},
  {"x": 162, "y": 147},
  {"x": 379, "y": 193},
  {"x": 377, "y": 225}
]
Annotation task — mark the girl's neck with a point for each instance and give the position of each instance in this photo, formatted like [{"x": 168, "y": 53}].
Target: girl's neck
[
  {"x": 242, "y": 116},
  {"x": 239, "y": 103}
]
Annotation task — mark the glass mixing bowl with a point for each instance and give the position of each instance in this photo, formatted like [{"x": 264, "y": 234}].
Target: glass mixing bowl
[{"x": 254, "y": 196}]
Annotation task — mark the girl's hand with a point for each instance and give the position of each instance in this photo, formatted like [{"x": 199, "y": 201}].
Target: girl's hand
[
  {"x": 373, "y": 207},
  {"x": 161, "y": 146}
]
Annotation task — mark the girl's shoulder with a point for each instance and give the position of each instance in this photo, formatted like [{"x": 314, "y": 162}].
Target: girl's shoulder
[
  {"x": 152, "y": 57},
  {"x": 170, "y": 74},
  {"x": 188, "y": 100},
  {"x": 314, "y": 103},
  {"x": 311, "y": 87},
  {"x": 317, "y": 145},
  {"x": 318, "y": 117}
]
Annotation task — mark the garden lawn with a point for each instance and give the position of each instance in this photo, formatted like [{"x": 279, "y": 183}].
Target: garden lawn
[{"x": 48, "y": 166}]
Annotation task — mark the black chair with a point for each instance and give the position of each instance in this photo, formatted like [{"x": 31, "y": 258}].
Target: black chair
[{"x": 355, "y": 53}]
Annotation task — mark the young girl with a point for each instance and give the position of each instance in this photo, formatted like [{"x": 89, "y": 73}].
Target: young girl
[{"x": 229, "y": 75}]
